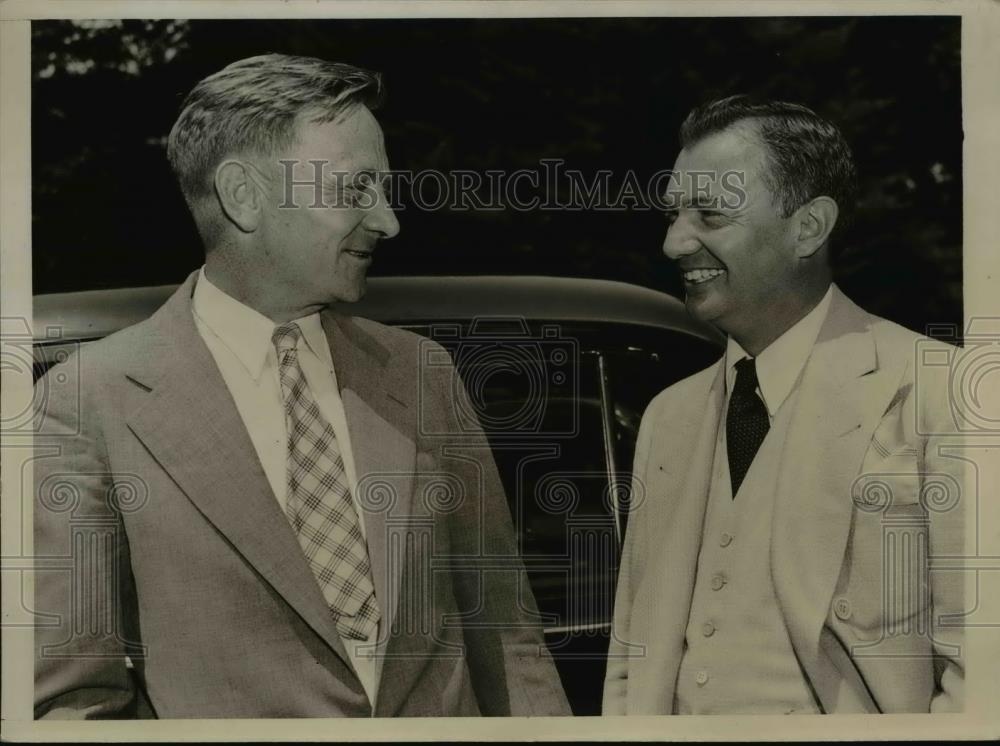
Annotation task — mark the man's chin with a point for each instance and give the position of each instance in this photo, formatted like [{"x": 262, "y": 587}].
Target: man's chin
[
  {"x": 352, "y": 294},
  {"x": 701, "y": 307}
]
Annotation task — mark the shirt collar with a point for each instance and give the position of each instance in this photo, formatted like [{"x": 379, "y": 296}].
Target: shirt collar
[
  {"x": 315, "y": 338},
  {"x": 781, "y": 362},
  {"x": 246, "y": 332}
]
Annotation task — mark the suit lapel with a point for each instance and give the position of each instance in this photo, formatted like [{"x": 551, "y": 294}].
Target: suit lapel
[
  {"x": 380, "y": 418},
  {"x": 190, "y": 425},
  {"x": 842, "y": 395}
]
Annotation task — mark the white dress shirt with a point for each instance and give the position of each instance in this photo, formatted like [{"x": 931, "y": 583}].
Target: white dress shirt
[
  {"x": 781, "y": 362},
  {"x": 239, "y": 339}
]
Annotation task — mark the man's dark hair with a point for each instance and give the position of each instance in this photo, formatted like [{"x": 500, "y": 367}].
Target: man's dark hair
[{"x": 807, "y": 155}]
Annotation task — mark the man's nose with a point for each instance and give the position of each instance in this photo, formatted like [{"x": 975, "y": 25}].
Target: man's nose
[
  {"x": 681, "y": 239},
  {"x": 381, "y": 218}
]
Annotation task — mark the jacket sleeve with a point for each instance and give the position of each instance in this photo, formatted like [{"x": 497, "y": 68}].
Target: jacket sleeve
[
  {"x": 83, "y": 585},
  {"x": 512, "y": 671},
  {"x": 616, "y": 678}
]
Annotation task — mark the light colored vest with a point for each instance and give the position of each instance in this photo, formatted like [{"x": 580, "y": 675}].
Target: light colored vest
[{"x": 738, "y": 657}]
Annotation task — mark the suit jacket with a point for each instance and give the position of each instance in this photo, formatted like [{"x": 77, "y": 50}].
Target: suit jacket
[
  {"x": 170, "y": 548},
  {"x": 866, "y": 491}
]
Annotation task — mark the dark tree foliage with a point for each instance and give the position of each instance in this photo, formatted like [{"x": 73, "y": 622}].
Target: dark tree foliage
[{"x": 483, "y": 94}]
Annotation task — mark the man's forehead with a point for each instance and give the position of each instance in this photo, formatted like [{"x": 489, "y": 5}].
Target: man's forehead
[
  {"x": 717, "y": 162},
  {"x": 353, "y": 141},
  {"x": 734, "y": 147}
]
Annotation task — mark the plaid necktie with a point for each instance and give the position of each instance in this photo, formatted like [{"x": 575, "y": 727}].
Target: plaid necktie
[
  {"x": 319, "y": 504},
  {"x": 747, "y": 422}
]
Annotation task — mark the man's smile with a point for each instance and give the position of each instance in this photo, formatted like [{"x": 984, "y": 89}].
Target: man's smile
[
  {"x": 700, "y": 275},
  {"x": 362, "y": 254}
]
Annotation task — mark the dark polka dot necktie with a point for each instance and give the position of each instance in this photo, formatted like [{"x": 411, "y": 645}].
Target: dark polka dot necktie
[{"x": 746, "y": 422}]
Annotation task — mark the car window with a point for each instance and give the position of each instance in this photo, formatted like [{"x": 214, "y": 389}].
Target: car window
[
  {"x": 548, "y": 442},
  {"x": 556, "y": 480}
]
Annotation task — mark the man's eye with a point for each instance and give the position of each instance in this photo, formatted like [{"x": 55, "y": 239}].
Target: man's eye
[
  {"x": 349, "y": 195},
  {"x": 712, "y": 217},
  {"x": 359, "y": 187},
  {"x": 671, "y": 216},
  {"x": 362, "y": 194}
]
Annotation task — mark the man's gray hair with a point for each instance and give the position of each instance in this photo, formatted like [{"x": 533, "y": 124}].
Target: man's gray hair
[{"x": 253, "y": 106}]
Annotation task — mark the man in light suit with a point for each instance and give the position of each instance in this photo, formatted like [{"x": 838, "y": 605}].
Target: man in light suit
[
  {"x": 259, "y": 521},
  {"x": 790, "y": 496}
]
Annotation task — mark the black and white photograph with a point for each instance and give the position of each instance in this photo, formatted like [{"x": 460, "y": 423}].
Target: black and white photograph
[{"x": 562, "y": 363}]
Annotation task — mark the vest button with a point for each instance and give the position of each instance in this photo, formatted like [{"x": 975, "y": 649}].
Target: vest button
[
  {"x": 718, "y": 580},
  {"x": 708, "y": 629},
  {"x": 726, "y": 539},
  {"x": 842, "y": 608},
  {"x": 701, "y": 678}
]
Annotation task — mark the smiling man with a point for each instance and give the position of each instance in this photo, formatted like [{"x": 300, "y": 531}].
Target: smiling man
[
  {"x": 241, "y": 481},
  {"x": 780, "y": 562}
]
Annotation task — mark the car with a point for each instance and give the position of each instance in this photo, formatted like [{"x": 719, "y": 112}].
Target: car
[{"x": 557, "y": 370}]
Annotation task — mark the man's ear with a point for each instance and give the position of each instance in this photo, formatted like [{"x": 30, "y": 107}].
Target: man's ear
[
  {"x": 239, "y": 195},
  {"x": 815, "y": 221}
]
